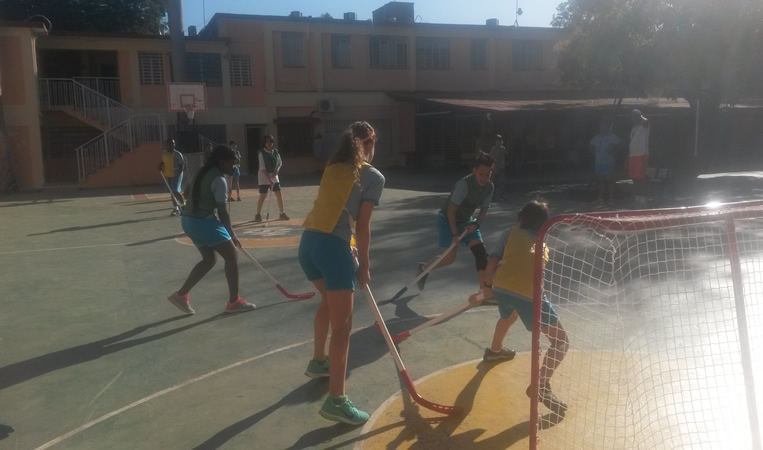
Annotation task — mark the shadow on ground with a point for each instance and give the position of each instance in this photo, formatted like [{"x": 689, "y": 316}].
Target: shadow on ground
[{"x": 22, "y": 371}]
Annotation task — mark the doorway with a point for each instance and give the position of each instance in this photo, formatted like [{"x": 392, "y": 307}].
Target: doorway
[{"x": 295, "y": 137}]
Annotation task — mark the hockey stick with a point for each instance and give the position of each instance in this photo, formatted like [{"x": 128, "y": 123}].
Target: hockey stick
[
  {"x": 446, "y": 315},
  {"x": 172, "y": 194},
  {"x": 270, "y": 200},
  {"x": 448, "y": 410},
  {"x": 278, "y": 285},
  {"x": 429, "y": 269}
]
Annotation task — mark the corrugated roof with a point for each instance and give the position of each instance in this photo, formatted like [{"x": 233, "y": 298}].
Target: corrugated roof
[{"x": 550, "y": 104}]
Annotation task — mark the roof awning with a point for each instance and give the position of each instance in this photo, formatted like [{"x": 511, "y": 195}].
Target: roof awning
[{"x": 556, "y": 104}]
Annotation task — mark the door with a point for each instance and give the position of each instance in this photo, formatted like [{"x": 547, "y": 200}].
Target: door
[{"x": 295, "y": 137}]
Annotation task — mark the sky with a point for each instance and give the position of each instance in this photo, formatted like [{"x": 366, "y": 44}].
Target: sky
[{"x": 535, "y": 13}]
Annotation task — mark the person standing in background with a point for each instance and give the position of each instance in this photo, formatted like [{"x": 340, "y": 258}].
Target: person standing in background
[
  {"x": 603, "y": 146},
  {"x": 267, "y": 176},
  {"x": 236, "y": 173},
  {"x": 498, "y": 152},
  {"x": 172, "y": 167},
  {"x": 639, "y": 156}
]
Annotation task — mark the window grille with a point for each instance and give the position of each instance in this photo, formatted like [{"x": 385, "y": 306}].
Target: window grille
[{"x": 151, "y": 66}]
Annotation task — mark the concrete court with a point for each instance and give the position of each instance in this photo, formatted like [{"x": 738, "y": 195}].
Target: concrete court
[{"x": 93, "y": 356}]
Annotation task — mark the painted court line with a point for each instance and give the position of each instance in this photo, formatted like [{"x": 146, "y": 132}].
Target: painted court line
[
  {"x": 104, "y": 417},
  {"x": 160, "y": 393},
  {"x": 63, "y": 248}
]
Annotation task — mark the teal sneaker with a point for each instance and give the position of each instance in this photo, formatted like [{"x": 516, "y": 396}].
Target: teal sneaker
[
  {"x": 318, "y": 368},
  {"x": 344, "y": 412}
]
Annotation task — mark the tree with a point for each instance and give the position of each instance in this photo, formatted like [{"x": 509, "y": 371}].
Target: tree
[
  {"x": 326, "y": 16},
  {"x": 109, "y": 16},
  {"x": 693, "y": 49}
]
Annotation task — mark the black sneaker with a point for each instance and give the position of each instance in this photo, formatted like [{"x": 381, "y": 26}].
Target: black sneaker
[
  {"x": 504, "y": 354},
  {"x": 423, "y": 281},
  {"x": 549, "y": 399}
]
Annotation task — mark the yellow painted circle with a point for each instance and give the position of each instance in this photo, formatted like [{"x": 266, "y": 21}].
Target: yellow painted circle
[
  {"x": 276, "y": 233},
  {"x": 615, "y": 401},
  {"x": 492, "y": 395}
]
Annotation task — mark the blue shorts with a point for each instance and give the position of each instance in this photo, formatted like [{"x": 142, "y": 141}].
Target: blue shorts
[
  {"x": 446, "y": 236},
  {"x": 176, "y": 183},
  {"x": 508, "y": 303},
  {"x": 205, "y": 232},
  {"x": 605, "y": 169},
  {"x": 236, "y": 172},
  {"x": 327, "y": 257}
]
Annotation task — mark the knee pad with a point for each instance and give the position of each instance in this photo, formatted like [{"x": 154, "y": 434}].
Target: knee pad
[{"x": 480, "y": 256}]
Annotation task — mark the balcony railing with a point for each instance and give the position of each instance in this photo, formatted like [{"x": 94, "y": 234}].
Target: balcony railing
[
  {"x": 58, "y": 93},
  {"x": 122, "y": 138},
  {"x": 108, "y": 86}
]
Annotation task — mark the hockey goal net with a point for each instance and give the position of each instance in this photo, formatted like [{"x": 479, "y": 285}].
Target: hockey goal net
[{"x": 663, "y": 313}]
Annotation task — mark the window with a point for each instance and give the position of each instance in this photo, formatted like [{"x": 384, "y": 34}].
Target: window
[
  {"x": 389, "y": 53},
  {"x": 479, "y": 54},
  {"x": 340, "y": 51},
  {"x": 204, "y": 68},
  {"x": 528, "y": 55},
  {"x": 240, "y": 70},
  {"x": 151, "y": 67},
  {"x": 432, "y": 53},
  {"x": 291, "y": 49}
]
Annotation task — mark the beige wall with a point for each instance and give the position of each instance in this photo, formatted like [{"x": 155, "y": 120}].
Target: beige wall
[
  {"x": 18, "y": 86},
  {"x": 292, "y": 78},
  {"x": 358, "y": 92},
  {"x": 249, "y": 40}
]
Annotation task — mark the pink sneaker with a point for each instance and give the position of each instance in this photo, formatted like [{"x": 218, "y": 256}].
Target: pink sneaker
[
  {"x": 182, "y": 302},
  {"x": 239, "y": 306}
]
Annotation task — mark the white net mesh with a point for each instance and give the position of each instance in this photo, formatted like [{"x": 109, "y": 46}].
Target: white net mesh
[
  {"x": 658, "y": 343},
  {"x": 193, "y": 163}
]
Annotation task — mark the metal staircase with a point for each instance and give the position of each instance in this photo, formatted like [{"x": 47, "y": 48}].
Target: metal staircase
[{"x": 123, "y": 131}]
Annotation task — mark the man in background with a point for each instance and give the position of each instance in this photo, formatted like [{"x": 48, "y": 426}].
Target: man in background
[
  {"x": 639, "y": 156},
  {"x": 498, "y": 152}
]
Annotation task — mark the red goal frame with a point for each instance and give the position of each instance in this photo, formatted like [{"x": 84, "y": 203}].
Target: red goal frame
[{"x": 618, "y": 221}]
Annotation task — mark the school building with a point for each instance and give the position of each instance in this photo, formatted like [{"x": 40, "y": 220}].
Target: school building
[{"x": 92, "y": 109}]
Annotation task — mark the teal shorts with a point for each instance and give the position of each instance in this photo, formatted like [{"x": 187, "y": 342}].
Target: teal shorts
[
  {"x": 327, "y": 257},
  {"x": 508, "y": 303},
  {"x": 443, "y": 229},
  {"x": 176, "y": 183},
  {"x": 204, "y": 232}
]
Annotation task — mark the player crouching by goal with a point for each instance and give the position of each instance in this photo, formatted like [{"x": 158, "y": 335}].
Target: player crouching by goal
[{"x": 511, "y": 270}]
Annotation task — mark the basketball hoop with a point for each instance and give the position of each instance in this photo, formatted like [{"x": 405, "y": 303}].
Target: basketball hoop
[{"x": 190, "y": 111}]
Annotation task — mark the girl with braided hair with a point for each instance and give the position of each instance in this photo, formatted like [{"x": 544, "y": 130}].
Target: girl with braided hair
[
  {"x": 206, "y": 221},
  {"x": 349, "y": 190}
]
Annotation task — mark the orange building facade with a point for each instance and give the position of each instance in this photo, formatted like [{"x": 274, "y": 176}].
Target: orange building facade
[{"x": 92, "y": 109}]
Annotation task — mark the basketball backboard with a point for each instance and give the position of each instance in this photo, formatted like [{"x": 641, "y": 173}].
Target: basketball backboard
[{"x": 183, "y": 97}]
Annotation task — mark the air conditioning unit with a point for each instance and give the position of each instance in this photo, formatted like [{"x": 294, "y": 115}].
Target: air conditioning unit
[{"x": 326, "y": 106}]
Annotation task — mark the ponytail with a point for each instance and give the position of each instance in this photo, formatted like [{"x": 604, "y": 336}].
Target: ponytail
[{"x": 220, "y": 153}]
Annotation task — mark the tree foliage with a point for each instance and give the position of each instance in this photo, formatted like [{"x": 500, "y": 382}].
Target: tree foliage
[
  {"x": 694, "y": 49},
  {"x": 109, "y": 16}
]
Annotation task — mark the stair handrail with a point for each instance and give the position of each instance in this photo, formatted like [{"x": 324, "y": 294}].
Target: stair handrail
[
  {"x": 58, "y": 92},
  {"x": 122, "y": 138}
]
